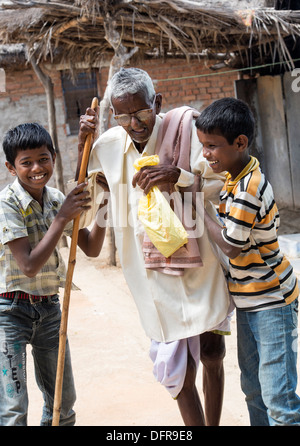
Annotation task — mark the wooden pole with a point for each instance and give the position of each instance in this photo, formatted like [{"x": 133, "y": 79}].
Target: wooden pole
[{"x": 68, "y": 286}]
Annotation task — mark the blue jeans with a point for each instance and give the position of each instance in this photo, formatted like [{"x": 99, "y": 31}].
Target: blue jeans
[
  {"x": 267, "y": 354},
  {"x": 38, "y": 324}
]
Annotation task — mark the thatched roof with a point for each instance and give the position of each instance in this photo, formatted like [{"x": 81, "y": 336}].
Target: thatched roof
[{"x": 77, "y": 31}]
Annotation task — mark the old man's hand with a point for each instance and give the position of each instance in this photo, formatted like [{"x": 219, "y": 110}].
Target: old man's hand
[
  {"x": 150, "y": 176},
  {"x": 101, "y": 181},
  {"x": 88, "y": 124}
]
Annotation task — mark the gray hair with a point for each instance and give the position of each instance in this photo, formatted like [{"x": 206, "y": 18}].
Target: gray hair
[{"x": 132, "y": 81}]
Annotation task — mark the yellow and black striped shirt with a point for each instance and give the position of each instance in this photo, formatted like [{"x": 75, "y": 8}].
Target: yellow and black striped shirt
[{"x": 260, "y": 276}]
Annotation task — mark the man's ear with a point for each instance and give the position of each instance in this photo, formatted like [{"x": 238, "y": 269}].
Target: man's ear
[
  {"x": 158, "y": 101},
  {"x": 11, "y": 168},
  {"x": 241, "y": 143}
]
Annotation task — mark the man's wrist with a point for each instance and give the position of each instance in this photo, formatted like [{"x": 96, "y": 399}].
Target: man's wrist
[{"x": 80, "y": 145}]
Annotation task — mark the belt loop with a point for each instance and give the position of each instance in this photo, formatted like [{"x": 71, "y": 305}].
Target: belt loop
[
  {"x": 34, "y": 301},
  {"x": 16, "y": 298}
]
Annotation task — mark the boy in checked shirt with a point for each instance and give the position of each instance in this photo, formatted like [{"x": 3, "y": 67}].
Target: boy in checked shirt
[{"x": 33, "y": 217}]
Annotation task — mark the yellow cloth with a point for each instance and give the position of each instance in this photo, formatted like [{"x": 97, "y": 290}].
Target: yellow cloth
[
  {"x": 161, "y": 224},
  {"x": 150, "y": 160}
]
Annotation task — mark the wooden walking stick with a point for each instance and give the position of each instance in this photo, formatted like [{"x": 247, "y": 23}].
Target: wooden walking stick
[{"x": 68, "y": 286}]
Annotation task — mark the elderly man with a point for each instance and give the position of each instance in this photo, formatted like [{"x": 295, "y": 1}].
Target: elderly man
[{"x": 183, "y": 310}]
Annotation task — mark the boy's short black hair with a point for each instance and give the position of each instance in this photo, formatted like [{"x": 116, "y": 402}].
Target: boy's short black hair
[
  {"x": 23, "y": 137},
  {"x": 228, "y": 117}
]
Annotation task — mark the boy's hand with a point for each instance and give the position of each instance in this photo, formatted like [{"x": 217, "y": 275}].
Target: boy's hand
[{"x": 76, "y": 202}]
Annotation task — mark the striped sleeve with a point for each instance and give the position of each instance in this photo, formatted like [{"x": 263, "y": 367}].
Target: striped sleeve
[{"x": 241, "y": 218}]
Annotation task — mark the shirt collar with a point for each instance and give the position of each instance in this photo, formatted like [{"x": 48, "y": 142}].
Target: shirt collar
[{"x": 23, "y": 196}]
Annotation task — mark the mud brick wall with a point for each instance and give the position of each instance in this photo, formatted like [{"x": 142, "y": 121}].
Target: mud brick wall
[{"x": 179, "y": 82}]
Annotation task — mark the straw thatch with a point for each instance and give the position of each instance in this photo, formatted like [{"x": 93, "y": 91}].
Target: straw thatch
[{"x": 88, "y": 31}]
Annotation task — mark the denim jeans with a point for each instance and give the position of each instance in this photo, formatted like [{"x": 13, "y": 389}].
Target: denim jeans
[
  {"x": 38, "y": 324},
  {"x": 267, "y": 354}
]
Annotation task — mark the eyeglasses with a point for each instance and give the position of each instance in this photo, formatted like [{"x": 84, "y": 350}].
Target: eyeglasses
[{"x": 142, "y": 116}]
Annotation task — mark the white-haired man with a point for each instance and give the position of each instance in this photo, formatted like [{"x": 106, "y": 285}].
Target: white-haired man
[{"x": 182, "y": 310}]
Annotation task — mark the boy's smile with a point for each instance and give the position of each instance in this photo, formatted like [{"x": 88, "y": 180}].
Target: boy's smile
[
  {"x": 34, "y": 168},
  {"x": 222, "y": 156}
]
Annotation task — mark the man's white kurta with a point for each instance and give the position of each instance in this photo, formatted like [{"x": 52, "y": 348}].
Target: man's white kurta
[{"x": 170, "y": 307}]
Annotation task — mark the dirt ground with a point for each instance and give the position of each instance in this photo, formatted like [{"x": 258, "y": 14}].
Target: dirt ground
[{"x": 112, "y": 369}]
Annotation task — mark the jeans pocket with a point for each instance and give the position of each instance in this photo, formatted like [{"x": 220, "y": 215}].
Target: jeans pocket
[
  {"x": 54, "y": 300},
  {"x": 6, "y": 305},
  {"x": 294, "y": 309}
]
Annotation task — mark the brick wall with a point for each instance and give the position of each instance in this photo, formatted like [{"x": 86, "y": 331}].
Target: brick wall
[
  {"x": 197, "y": 91},
  {"x": 25, "y": 100},
  {"x": 26, "y": 82}
]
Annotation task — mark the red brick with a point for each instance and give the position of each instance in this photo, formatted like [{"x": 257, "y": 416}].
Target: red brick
[{"x": 214, "y": 90}]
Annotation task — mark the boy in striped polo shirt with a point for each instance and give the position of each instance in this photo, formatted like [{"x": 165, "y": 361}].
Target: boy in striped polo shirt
[{"x": 260, "y": 278}]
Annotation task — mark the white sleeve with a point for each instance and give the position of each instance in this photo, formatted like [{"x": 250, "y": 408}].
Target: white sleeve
[
  {"x": 185, "y": 179},
  {"x": 96, "y": 194}
]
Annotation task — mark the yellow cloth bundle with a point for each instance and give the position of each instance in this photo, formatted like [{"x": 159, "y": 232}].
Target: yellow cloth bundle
[{"x": 161, "y": 224}]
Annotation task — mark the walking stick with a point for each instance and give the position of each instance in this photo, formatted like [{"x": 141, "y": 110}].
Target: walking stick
[{"x": 68, "y": 285}]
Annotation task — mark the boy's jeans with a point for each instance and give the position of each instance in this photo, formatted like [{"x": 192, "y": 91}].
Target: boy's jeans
[
  {"x": 267, "y": 352},
  {"x": 38, "y": 324}
]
